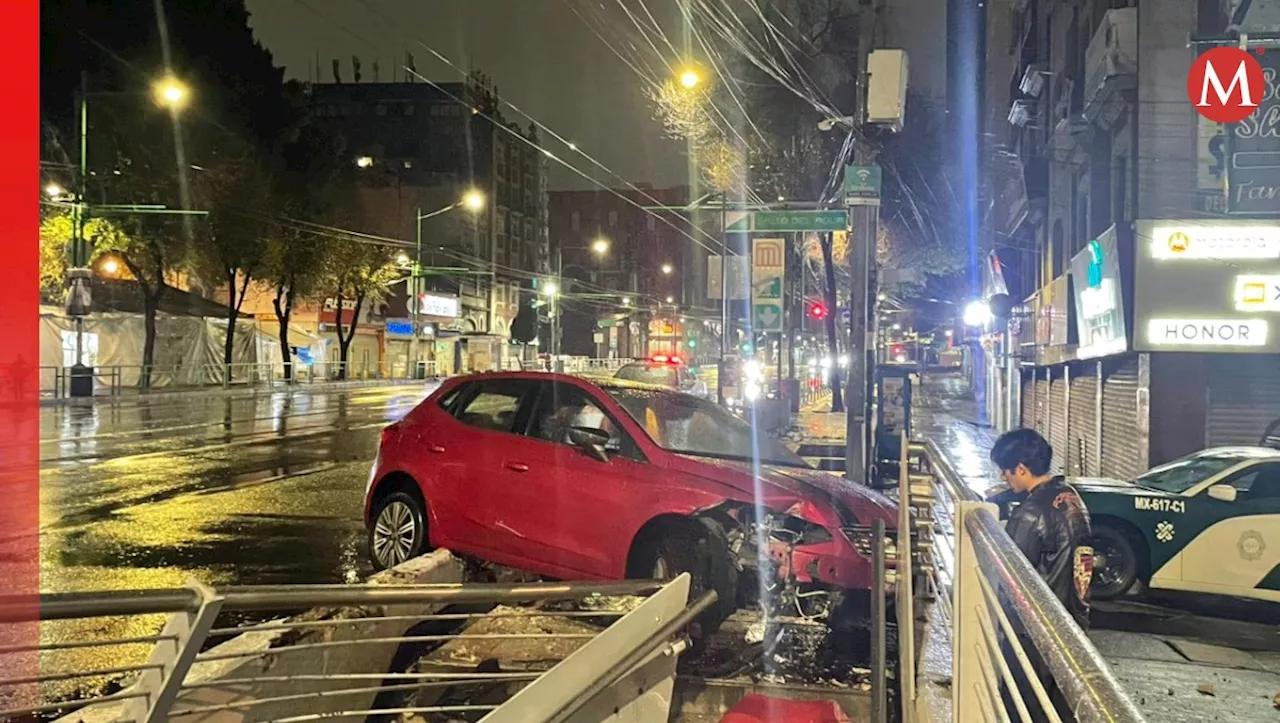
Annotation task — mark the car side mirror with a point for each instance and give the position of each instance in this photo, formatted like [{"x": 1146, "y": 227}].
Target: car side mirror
[
  {"x": 591, "y": 441},
  {"x": 1223, "y": 493}
]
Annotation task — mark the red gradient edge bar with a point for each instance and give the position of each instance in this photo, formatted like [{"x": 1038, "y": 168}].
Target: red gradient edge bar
[{"x": 20, "y": 343}]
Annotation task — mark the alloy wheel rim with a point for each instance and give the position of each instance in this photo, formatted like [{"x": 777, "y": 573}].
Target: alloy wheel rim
[{"x": 394, "y": 534}]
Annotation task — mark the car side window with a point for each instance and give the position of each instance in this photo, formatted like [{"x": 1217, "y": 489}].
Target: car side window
[
  {"x": 562, "y": 407},
  {"x": 493, "y": 405},
  {"x": 1258, "y": 482}
]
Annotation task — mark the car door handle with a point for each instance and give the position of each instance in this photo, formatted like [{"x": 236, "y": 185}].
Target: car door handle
[
  {"x": 517, "y": 466},
  {"x": 435, "y": 448}
]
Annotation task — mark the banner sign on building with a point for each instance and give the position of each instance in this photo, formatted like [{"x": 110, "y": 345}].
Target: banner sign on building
[
  {"x": 768, "y": 271},
  {"x": 1253, "y": 151},
  {"x": 1095, "y": 272}
]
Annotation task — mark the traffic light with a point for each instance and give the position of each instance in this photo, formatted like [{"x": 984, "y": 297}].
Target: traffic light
[{"x": 817, "y": 311}]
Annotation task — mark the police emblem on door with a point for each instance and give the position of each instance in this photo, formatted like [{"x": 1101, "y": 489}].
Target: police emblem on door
[{"x": 1251, "y": 546}]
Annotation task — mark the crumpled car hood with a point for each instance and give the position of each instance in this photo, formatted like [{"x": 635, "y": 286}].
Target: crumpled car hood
[{"x": 781, "y": 485}]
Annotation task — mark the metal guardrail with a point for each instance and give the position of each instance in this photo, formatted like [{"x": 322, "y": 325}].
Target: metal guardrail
[
  {"x": 608, "y": 673},
  {"x": 1003, "y": 618}
]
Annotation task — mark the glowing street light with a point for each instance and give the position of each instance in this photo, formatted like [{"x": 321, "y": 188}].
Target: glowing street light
[
  {"x": 171, "y": 93},
  {"x": 977, "y": 313},
  {"x": 110, "y": 267},
  {"x": 54, "y": 190},
  {"x": 667, "y": 269},
  {"x": 473, "y": 201},
  {"x": 600, "y": 246},
  {"x": 402, "y": 258},
  {"x": 550, "y": 288},
  {"x": 364, "y": 162},
  {"x": 671, "y": 299},
  {"x": 690, "y": 79},
  {"x": 626, "y": 301}
]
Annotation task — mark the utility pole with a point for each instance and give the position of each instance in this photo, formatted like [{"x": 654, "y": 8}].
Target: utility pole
[{"x": 863, "y": 221}]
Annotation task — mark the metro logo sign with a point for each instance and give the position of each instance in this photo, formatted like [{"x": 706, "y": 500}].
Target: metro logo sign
[{"x": 1226, "y": 84}]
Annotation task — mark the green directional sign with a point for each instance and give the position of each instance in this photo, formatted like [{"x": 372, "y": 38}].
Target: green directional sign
[
  {"x": 786, "y": 221},
  {"x": 768, "y": 269}
]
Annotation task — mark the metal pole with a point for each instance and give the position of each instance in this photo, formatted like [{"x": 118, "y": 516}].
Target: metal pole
[
  {"x": 860, "y": 346},
  {"x": 555, "y": 310},
  {"x": 79, "y": 254},
  {"x": 724, "y": 294},
  {"x": 879, "y": 625},
  {"x": 415, "y": 293}
]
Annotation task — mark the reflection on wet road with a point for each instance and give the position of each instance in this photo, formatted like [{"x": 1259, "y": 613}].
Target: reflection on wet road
[{"x": 243, "y": 490}]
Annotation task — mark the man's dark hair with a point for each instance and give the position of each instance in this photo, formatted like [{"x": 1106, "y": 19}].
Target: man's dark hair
[{"x": 1023, "y": 446}]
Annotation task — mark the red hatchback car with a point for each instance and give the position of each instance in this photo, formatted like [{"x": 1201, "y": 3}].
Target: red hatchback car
[{"x": 605, "y": 479}]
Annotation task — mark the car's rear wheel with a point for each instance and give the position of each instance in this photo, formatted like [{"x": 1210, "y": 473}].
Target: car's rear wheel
[
  {"x": 699, "y": 548},
  {"x": 1115, "y": 563},
  {"x": 399, "y": 530}
]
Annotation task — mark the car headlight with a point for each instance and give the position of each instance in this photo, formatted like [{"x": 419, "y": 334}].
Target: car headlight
[{"x": 795, "y": 530}]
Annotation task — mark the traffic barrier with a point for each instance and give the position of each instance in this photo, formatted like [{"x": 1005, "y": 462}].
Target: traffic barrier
[{"x": 345, "y": 657}]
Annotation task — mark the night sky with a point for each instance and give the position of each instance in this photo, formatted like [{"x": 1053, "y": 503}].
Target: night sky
[{"x": 542, "y": 57}]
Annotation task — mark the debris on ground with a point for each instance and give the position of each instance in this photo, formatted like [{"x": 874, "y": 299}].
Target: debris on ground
[{"x": 1206, "y": 689}]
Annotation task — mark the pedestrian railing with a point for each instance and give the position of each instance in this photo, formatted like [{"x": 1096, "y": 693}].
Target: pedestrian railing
[
  {"x": 998, "y": 645},
  {"x": 116, "y": 379},
  {"x": 602, "y": 651}
]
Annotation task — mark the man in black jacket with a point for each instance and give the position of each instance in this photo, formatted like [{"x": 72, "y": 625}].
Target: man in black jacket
[
  {"x": 1050, "y": 526},
  {"x": 1051, "y": 523}
]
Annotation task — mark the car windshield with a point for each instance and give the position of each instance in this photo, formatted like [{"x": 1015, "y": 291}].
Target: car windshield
[
  {"x": 665, "y": 375},
  {"x": 1181, "y": 475},
  {"x": 688, "y": 425}
]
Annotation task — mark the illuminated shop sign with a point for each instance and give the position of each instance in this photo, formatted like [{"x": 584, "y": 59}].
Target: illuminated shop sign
[
  {"x": 1255, "y": 292},
  {"x": 1215, "y": 242},
  {"x": 433, "y": 305},
  {"x": 1099, "y": 305},
  {"x": 1207, "y": 332}
]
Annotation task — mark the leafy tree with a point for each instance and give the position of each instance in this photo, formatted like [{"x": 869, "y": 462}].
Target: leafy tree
[
  {"x": 294, "y": 264},
  {"x": 232, "y": 246},
  {"x": 360, "y": 272},
  {"x": 56, "y": 231}
]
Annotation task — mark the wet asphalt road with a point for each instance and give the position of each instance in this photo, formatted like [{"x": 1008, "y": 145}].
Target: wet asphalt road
[{"x": 227, "y": 490}]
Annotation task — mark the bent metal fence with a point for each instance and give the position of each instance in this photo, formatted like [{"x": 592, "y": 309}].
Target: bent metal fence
[
  {"x": 618, "y": 660},
  {"x": 998, "y": 645}
]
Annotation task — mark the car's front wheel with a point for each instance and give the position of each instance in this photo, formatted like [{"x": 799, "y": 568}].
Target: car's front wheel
[
  {"x": 1115, "y": 563},
  {"x": 399, "y": 530},
  {"x": 700, "y": 549}
]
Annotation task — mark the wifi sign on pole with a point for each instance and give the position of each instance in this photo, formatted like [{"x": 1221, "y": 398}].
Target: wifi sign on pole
[{"x": 862, "y": 185}]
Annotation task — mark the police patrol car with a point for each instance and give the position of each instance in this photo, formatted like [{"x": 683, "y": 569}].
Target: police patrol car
[{"x": 1208, "y": 522}]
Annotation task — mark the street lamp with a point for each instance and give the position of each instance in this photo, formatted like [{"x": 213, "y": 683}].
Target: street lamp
[
  {"x": 473, "y": 201},
  {"x": 600, "y": 246},
  {"x": 550, "y": 288},
  {"x": 671, "y": 299},
  {"x": 690, "y": 79},
  {"x": 364, "y": 162},
  {"x": 626, "y": 301},
  {"x": 667, "y": 269},
  {"x": 110, "y": 266},
  {"x": 977, "y": 313},
  {"x": 53, "y": 190},
  {"x": 171, "y": 93}
]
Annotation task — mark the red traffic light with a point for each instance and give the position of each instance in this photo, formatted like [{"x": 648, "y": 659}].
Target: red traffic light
[
  {"x": 897, "y": 349},
  {"x": 818, "y": 310}
]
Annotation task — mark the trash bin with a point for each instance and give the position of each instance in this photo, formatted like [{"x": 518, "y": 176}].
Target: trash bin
[
  {"x": 81, "y": 381},
  {"x": 420, "y": 370}
]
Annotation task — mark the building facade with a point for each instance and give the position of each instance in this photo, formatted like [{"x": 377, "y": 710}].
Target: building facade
[
  {"x": 420, "y": 150},
  {"x": 1156, "y": 244},
  {"x": 630, "y": 272}
]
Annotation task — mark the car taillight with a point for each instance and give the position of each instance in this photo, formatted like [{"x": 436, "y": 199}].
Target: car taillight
[{"x": 661, "y": 359}]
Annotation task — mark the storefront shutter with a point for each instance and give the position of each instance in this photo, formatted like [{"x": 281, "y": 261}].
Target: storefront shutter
[
  {"x": 1058, "y": 417},
  {"x": 1042, "y": 402},
  {"x": 1082, "y": 422},
  {"x": 1244, "y": 398},
  {"x": 1120, "y": 454},
  {"x": 1028, "y": 411}
]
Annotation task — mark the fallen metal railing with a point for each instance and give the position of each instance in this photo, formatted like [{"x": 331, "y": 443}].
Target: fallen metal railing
[
  {"x": 609, "y": 673},
  {"x": 996, "y": 614}
]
